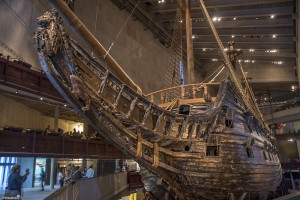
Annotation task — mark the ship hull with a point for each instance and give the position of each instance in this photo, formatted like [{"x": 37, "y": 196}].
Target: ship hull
[{"x": 222, "y": 153}]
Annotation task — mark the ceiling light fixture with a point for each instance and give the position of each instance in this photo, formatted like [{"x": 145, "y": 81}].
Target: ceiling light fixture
[
  {"x": 274, "y": 36},
  {"x": 232, "y": 36},
  {"x": 41, "y": 98},
  {"x": 272, "y": 16},
  {"x": 234, "y": 18}
]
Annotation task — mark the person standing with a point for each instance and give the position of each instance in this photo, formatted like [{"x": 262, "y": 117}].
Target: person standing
[
  {"x": 60, "y": 178},
  {"x": 42, "y": 178},
  {"x": 15, "y": 181},
  {"x": 90, "y": 172}
]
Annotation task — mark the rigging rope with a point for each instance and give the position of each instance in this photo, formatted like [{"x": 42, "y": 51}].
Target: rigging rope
[
  {"x": 112, "y": 44},
  {"x": 96, "y": 20}
]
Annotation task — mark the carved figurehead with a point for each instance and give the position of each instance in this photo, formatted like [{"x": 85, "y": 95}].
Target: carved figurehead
[
  {"x": 50, "y": 40},
  {"x": 49, "y": 36}
]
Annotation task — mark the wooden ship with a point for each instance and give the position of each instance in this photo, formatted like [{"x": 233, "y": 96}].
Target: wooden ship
[{"x": 211, "y": 142}]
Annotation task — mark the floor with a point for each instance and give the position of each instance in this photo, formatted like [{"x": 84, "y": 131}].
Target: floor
[{"x": 34, "y": 193}]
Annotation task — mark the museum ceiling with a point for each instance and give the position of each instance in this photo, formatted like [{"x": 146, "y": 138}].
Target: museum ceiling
[{"x": 264, "y": 30}]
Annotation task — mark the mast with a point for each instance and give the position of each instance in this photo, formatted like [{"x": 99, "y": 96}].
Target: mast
[
  {"x": 250, "y": 104},
  {"x": 88, "y": 37},
  {"x": 189, "y": 43}
]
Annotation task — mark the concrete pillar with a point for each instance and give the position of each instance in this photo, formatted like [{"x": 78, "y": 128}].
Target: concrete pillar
[
  {"x": 33, "y": 171},
  {"x": 56, "y": 118},
  {"x": 52, "y": 175},
  {"x": 292, "y": 180},
  {"x": 117, "y": 166}
]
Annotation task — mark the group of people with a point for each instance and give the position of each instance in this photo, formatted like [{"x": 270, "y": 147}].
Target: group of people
[
  {"x": 14, "y": 182},
  {"x": 74, "y": 173},
  {"x": 60, "y": 132}
]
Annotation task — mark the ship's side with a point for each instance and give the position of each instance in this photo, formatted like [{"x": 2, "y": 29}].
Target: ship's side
[
  {"x": 221, "y": 152},
  {"x": 236, "y": 157}
]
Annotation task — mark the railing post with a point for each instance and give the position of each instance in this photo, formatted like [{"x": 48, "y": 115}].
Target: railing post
[
  {"x": 193, "y": 91},
  {"x": 152, "y": 98},
  {"x": 182, "y": 92}
]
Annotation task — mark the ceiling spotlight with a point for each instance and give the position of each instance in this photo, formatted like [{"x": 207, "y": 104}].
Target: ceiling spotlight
[
  {"x": 272, "y": 16},
  {"x": 41, "y": 98},
  {"x": 214, "y": 19},
  {"x": 214, "y": 59},
  {"x": 274, "y": 36},
  {"x": 219, "y": 19},
  {"x": 17, "y": 91},
  {"x": 193, "y": 37},
  {"x": 65, "y": 105},
  {"x": 203, "y": 49},
  {"x": 251, "y": 50},
  {"x": 290, "y": 140},
  {"x": 232, "y": 36},
  {"x": 278, "y": 62},
  {"x": 234, "y": 18}
]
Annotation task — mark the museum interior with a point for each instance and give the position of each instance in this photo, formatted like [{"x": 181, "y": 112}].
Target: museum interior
[{"x": 150, "y": 99}]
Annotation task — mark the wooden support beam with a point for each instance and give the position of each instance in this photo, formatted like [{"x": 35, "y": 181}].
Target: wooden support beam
[
  {"x": 155, "y": 155},
  {"x": 139, "y": 149}
]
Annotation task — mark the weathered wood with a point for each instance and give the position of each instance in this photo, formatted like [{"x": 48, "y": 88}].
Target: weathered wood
[{"x": 210, "y": 154}]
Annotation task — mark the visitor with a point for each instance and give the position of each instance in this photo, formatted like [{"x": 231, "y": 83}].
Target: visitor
[
  {"x": 47, "y": 130},
  {"x": 90, "y": 172},
  {"x": 76, "y": 175},
  {"x": 15, "y": 181},
  {"x": 60, "y": 178},
  {"x": 67, "y": 178},
  {"x": 83, "y": 175},
  {"x": 42, "y": 178}
]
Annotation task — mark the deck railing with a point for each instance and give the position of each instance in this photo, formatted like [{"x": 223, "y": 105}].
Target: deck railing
[{"x": 192, "y": 93}]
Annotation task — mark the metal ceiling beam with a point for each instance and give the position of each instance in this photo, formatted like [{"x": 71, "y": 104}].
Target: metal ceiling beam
[
  {"x": 288, "y": 52},
  {"x": 242, "y": 24},
  {"x": 247, "y": 46},
  {"x": 247, "y": 32},
  {"x": 268, "y": 60},
  {"x": 247, "y": 54},
  {"x": 256, "y": 12},
  {"x": 219, "y": 4},
  {"x": 238, "y": 40}
]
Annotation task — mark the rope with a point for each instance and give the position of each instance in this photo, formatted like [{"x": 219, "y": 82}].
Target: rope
[
  {"x": 213, "y": 79},
  {"x": 214, "y": 73},
  {"x": 96, "y": 20},
  {"x": 112, "y": 44}
]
